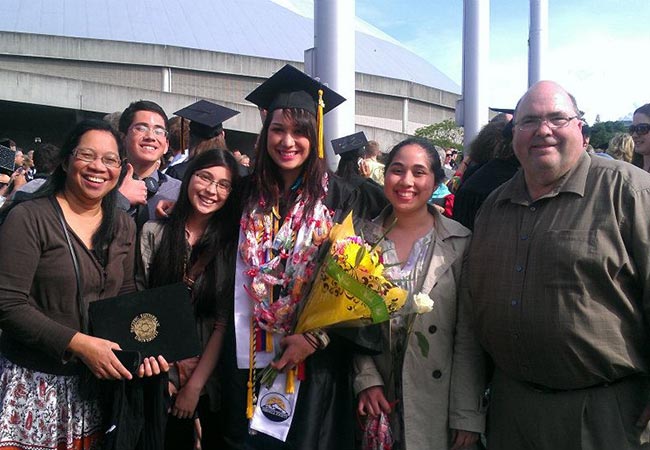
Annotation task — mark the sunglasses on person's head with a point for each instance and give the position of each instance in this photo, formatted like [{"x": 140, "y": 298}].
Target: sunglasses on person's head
[{"x": 642, "y": 128}]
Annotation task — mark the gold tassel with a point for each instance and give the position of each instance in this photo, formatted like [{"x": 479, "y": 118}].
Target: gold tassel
[
  {"x": 319, "y": 124},
  {"x": 291, "y": 381},
  {"x": 269, "y": 342},
  {"x": 251, "y": 371}
]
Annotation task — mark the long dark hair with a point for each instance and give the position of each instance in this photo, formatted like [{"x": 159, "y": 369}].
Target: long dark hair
[
  {"x": 267, "y": 181},
  {"x": 213, "y": 290},
  {"x": 56, "y": 182},
  {"x": 349, "y": 165}
]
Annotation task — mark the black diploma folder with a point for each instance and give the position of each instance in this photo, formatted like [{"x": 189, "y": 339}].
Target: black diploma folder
[
  {"x": 7, "y": 158},
  {"x": 154, "y": 322}
]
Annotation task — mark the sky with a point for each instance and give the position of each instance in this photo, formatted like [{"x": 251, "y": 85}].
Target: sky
[{"x": 599, "y": 50}]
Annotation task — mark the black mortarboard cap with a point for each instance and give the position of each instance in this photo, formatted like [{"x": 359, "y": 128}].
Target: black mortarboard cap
[
  {"x": 206, "y": 118},
  {"x": 292, "y": 88},
  {"x": 503, "y": 110},
  {"x": 349, "y": 143},
  {"x": 158, "y": 321}
]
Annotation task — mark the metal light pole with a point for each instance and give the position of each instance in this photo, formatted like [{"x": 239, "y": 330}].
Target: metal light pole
[
  {"x": 476, "y": 49},
  {"x": 537, "y": 40},
  {"x": 334, "y": 64}
]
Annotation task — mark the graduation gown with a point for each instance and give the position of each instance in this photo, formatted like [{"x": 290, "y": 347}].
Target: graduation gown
[{"x": 324, "y": 416}]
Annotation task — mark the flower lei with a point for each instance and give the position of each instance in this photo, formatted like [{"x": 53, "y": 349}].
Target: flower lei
[{"x": 283, "y": 257}]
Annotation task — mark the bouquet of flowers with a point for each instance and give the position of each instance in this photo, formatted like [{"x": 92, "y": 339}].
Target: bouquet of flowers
[{"x": 351, "y": 287}]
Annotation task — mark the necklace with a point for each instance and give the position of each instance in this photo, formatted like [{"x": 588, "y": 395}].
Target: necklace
[{"x": 281, "y": 259}]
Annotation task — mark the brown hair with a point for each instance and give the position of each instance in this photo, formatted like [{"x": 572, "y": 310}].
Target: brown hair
[{"x": 268, "y": 183}]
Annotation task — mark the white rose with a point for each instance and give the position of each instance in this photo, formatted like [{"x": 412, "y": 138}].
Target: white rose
[{"x": 423, "y": 303}]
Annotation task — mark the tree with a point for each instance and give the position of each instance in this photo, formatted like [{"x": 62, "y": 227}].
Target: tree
[
  {"x": 446, "y": 134},
  {"x": 602, "y": 132}
]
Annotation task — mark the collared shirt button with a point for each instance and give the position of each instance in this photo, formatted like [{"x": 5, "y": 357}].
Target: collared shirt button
[
  {"x": 433, "y": 329},
  {"x": 519, "y": 268},
  {"x": 436, "y": 374},
  {"x": 533, "y": 209},
  {"x": 514, "y": 302},
  {"x": 515, "y": 336}
]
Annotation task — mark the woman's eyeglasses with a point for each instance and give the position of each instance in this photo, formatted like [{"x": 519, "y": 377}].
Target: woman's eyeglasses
[
  {"x": 110, "y": 160},
  {"x": 222, "y": 186}
]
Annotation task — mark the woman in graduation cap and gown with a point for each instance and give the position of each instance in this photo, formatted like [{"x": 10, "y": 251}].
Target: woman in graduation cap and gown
[{"x": 289, "y": 205}]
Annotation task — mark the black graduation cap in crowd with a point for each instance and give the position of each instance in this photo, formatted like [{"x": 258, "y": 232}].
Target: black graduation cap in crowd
[
  {"x": 291, "y": 88},
  {"x": 503, "y": 110},
  {"x": 349, "y": 143},
  {"x": 206, "y": 118}
]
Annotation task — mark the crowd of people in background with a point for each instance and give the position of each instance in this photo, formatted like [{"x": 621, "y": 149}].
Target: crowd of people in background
[{"x": 532, "y": 245}]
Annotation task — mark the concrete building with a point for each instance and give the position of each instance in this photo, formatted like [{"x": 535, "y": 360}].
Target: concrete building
[{"x": 61, "y": 60}]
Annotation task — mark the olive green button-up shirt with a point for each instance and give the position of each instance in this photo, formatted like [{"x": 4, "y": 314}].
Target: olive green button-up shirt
[{"x": 560, "y": 285}]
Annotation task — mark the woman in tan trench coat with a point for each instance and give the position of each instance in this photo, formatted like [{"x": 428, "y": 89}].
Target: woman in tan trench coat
[{"x": 432, "y": 364}]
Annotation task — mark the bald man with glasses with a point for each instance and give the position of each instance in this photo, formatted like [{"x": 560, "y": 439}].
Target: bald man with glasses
[{"x": 559, "y": 276}]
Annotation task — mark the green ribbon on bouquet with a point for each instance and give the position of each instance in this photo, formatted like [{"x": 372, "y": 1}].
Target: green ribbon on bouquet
[{"x": 374, "y": 302}]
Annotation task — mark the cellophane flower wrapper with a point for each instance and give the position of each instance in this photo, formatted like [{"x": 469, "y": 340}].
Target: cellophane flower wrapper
[
  {"x": 351, "y": 288},
  {"x": 377, "y": 434}
]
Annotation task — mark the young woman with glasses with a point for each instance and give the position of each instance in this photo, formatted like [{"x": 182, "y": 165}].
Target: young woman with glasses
[{"x": 197, "y": 245}]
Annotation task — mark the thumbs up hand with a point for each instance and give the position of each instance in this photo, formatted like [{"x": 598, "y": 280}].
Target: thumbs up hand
[{"x": 134, "y": 190}]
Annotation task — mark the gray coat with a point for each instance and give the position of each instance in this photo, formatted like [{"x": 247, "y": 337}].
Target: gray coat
[{"x": 443, "y": 390}]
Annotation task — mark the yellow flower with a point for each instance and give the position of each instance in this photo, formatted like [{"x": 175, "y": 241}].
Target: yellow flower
[{"x": 369, "y": 262}]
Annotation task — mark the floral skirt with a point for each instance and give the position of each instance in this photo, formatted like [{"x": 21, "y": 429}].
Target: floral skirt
[{"x": 40, "y": 411}]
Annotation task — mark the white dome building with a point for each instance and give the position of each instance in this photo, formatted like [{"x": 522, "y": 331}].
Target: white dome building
[{"x": 65, "y": 59}]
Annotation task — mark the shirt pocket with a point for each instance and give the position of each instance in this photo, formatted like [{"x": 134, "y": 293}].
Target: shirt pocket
[{"x": 567, "y": 256}]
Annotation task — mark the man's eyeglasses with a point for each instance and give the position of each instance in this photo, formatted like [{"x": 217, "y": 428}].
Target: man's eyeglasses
[
  {"x": 533, "y": 123},
  {"x": 110, "y": 160},
  {"x": 222, "y": 186},
  {"x": 143, "y": 129},
  {"x": 642, "y": 128}
]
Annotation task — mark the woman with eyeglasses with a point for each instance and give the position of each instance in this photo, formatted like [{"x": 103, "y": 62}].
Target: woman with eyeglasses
[
  {"x": 639, "y": 131},
  {"x": 44, "y": 296},
  {"x": 197, "y": 245}
]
